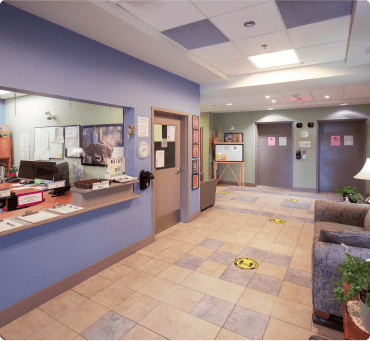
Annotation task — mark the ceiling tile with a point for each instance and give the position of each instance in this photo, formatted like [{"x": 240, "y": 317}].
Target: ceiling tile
[
  {"x": 299, "y": 13},
  {"x": 219, "y": 53},
  {"x": 356, "y": 91},
  {"x": 268, "y": 101},
  {"x": 214, "y": 8},
  {"x": 292, "y": 96},
  {"x": 265, "y": 15},
  {"x": 310, "y": 35},
  {"x": 333, "y": 93},
  {"x": 236, "y": 67},
  {"x": 332, "y": 52},
  {"x": 164, "y": 15},
  {"x": 277, "y": 41}
]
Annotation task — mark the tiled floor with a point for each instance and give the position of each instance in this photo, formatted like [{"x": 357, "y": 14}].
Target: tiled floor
[{"x": 185, "y": 286}]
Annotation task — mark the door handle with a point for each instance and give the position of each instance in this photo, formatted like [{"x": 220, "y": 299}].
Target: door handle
[{"x": 178, "y": 170}]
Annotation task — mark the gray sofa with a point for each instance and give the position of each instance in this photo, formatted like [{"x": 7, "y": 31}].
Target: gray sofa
[
  {"x": 207, "y": 193},
  {"x": 335, "y": 223}
]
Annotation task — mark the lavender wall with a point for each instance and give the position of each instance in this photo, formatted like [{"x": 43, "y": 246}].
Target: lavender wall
[{"x": 42, "y": 57}]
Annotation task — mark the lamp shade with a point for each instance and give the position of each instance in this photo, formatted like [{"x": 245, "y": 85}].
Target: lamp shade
[{"x": 364, "y": 173}]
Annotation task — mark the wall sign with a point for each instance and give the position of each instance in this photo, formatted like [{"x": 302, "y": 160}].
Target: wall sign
[
  {"x": 335, "y": 140},
  {"x": 304, "y": 144},
  {"x": 56, "y": 184},
  {"x": 100, "y": 185},
  {"x": 348, "y": 140},
  {"x": 143, "y": 127},
  {"x": 282, "y": 141},
  {"x": 5, "y": 193},
  {"x": 271, "y": 141}
]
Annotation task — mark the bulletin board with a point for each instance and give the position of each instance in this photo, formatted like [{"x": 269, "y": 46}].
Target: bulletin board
[
  {"x": 49, "y": 143},
  {"x": 164, "y": 146},
  {"x": 72, "y": 141}
]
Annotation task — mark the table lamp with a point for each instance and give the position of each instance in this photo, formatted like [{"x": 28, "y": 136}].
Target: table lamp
[{"x": 364, "y": 174}]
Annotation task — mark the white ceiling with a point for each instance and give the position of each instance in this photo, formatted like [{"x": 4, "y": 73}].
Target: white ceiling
[{"x": 332, "y": 52}]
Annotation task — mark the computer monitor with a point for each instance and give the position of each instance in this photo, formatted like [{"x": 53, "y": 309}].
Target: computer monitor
[
  {"x": 45, "y": 170},
  {"x": 27, "y": 170},
  {"x": 61, "y": 172}
]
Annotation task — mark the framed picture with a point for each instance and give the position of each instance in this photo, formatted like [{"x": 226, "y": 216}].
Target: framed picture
[
  {"x": 233, "y": 137},
  {"x": 195, "y": 122},
  {"x": 238, "y": 137},
  {"x": 195, "y": 166},
  {"x": 195, "y": 150},
  {"x": 195, "y": 181},
  {"x": 97, "y": 141},
  {"x": 195, "y": 136},
  {"x": 228, "y": 137}
]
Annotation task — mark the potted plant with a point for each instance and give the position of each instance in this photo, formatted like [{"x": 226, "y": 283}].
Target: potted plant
[
  {"x": 356, "y": 272},
  {"x": 351, "y": 193}
]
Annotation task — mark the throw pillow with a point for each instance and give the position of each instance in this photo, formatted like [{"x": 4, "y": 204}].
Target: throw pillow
[{"x": 350, "y": 239}]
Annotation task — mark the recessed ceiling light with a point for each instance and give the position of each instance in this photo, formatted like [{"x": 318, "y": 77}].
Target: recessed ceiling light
[
  {"x": 343, "y": 103},
  {"x": 275, "y": 59},
  {"x": 327, "y": 96},
  {"x": 229, "y": 104},
  {"x": 2, "y": 92},
  {"x": 267, "y": 96},
  {"x": 271, "y": 109},
  {"x": 273, "y": 101},
  {"x": 249, "y": 23}
]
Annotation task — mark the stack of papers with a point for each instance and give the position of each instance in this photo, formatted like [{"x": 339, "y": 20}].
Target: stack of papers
[
  {"x": 66, "y": 209},
  {"x": 37, "y": 217},
  {"x": 8, "y": 224}
]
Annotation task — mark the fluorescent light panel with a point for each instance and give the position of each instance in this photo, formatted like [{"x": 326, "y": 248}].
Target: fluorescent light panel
[
  {"x": 275, "y": 59},
  {"x": 2, "y": 92}
]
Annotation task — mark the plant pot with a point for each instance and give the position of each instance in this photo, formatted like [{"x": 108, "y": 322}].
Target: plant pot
[
  {"x": 365, "y": 315},
  {"x": 345, "y": 199}
]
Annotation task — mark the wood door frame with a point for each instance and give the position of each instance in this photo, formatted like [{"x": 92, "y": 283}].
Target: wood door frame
[
  {"x": 256, "y": 155},
  {"x": 318, "y": 143},
  {"x": 184, "y": 163}
]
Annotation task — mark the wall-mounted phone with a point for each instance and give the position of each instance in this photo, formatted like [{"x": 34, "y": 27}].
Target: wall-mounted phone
[
  {"x": 298, "y": 154},
  {"x": 145, "y": 178}
]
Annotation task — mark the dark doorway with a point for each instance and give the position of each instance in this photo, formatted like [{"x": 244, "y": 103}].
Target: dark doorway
[
  {"x": 341, "y": 158},
  {"x": 274, "y": 166}
]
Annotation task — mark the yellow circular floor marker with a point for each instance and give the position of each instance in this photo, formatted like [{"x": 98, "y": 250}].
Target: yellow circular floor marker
[
  {"x": 277, "y": 220},
  {"x": 246, "y": 263},
  {"x": 224, "y": 192},
  {"x": 291, "y": 200}
]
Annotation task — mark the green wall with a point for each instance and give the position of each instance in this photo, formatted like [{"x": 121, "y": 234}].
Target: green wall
[
  {"x": 30, "y": 113},
  {"x": 304, "y": 172},
  {"x": 204, "y": 123}
]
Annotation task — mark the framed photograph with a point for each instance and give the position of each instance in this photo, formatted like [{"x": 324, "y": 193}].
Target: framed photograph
[
  {"x": 195, "y": 136},
  {"x": 233, "y": 137},
  {"x": 97, "y": 141},
  {"x": 195, "y": 122},
  {"x": 195, "y": 166},
  {"x": 195, "y": 150},
  {"x": 228, "y": 137},
  {"x": 195, "y": 181},
  {"x": 238, "y": 137}
]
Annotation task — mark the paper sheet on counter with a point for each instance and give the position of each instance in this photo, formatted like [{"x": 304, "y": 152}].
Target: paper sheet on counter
[
  {"x": 66, "y": 209},
  {"x": 8, "y": 224},
  {"x": 37, "y": 217}
]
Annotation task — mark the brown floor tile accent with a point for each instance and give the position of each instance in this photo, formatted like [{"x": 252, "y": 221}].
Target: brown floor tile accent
[
  {"x": 237, "y": 276},
  {"x": 265, "y": 284},
  {"x": 175, "y": 274},
  {"x": 142, "y": 333},
  {"x": 189, "y": 262},
  {"x": 296, "y": 293},
  {"x": 201, "y": 251},
  {"x": 182, "y": 247},
  {"x": 278, "y": 259},
  {"x": 222, "y": 257},
  {"x": 135, "y": 279},
  {"x": 272, "y": 270},
  {"x": 154, "y": 267},
  {"x": 212, "y": 269},
  {"x": 135, "y": 260},
  {"x": 92, "y": 286},
  {"x": 225, "y": 334},
  {"x": 54, "y": 331},
  {"x": 115, "y": 272},
  {"x": 155, "y": 288},
  {"x": 279, "y": 330},
  {"x": 257, "y": 301},
  {"x": 256, "y": 254},
  {"x": 298, "y": 277},
  {"x": 169, "y": 256},
  {"x": 112, "y": 295}
]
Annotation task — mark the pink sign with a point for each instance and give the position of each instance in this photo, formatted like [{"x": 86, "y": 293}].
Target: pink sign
[
  {"x": 271, "y": 141},
  {"x": 335, "y": 140},
  {"x": 31, "y": 198}
]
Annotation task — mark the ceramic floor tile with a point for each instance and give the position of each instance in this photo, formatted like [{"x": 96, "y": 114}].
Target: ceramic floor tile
[
  {"x": 272, "y": 270},
  {"x": 213, "y": 310},
  {"x": 189, "y": 262},
  {"x": 156, "y": 287},
  {"x": 175, "y": 324},
  {"x": 164, "y": 242},
  {"x": 211, "y": 243},
  {"x": 136, "y": 307},
  {"x": 212, "y": 269},
  {"x": 26, "y": 325},
  {"x": 225, "y": 334},
  {"x": 247, "y": 323},
  {"x": 169, "y": 256},
  {"x": 201, "y": 251},
  {"x": 79, "y": 337},
  {"x": 62, "y": 304},
  {"x": 92, "y": 286},
  {"x": 265, "y": 284},
  {"x": 299, "y": 277},
  {"x": 177, "y": 235},
  {"x": 211, "y": 227},
  {"x": 202, "y": 232},
  {"x": 257, "y": 301},
  {"x": 264, "y": 237},
  {"x": 188, "y": 228},
  {"x": 256, "y": 254},
  {"x": 300, "y": 264},
  {"x": 254, "y": 223},
  {"x": 223, "y": 290},
  {"x": 154, "y": 267},
  {"x": 231, "y": 248},
  {"x": 193, "y": 239},
  {"x": 54, "y": 331},
  {"x": 175, "y": 274},
  {"x": 181, "y": 298},
  {"x": 278, "y": 259},
  {"x": 281, "y": 240},
  {"x": 182, "y": 247},
  {"x": 291, "y": 312},
  {"x": 199, "y": 223},
  {"x": 279, "y": 330},
  {"x": 222, "y": 257},
  {"x": 151, "y": 250},
  {"x": 135, "y": 279},
  {"x": 296, "y": 293},
  {"x": 281, "y": 249},
  {"x": 115, "y": 272},
  {"x": 112, "y": 295},
  {"x": 228, "y": 229},
  {"x": 237, "y": 276},
  {"x": 83, "y": 316},
  {"x": 142, "y": 333},
  {"x": 135, "y": 260}
]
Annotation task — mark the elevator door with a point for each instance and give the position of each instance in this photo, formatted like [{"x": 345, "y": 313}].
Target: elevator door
[
  {"x": 343, "y": 158},
  {"x": 275, "y": 158}
]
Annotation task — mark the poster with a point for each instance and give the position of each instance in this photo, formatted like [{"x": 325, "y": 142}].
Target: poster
[
  {"x": 195, "y": 150},
  {"x": 195, "y": 166},
  {"x": 143, "y": 127},
  {"x": 159, "y": 158},
  {"x": 282, "y": 141},
  {"x": 271, "y": 141},
  {"x": 157, "y": 133},
  {"x": 195, "y": 122},
  {"x": 195, "y": 136},
  {"x": 171, "y": 133},
  {"x": 348, "y": 140},
  {"x": 195, "y": 181},
  {"x": 335, "y": 140}
]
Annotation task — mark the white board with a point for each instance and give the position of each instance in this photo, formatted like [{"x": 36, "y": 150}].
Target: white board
[{"x": 233, "y": 152}]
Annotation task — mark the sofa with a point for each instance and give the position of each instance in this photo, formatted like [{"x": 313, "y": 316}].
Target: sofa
[
  {"x": 207, "y": 193},
  {"x": 335, "y": 223}
]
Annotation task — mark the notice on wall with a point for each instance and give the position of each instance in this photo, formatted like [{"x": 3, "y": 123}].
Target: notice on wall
[
  {"x": 304, "y": 144},
  {"x": 157, "y": 133},
  {"x": 44, "y": 139},
  {"x": 271, "y": 141},
  {"x": 143, "y": 126},
  {"x": 282, "y": 141},
  {"x": 37, "y": 137},
  {"x": 335, "y": 140},
  {"x": 171, "y": 133},
  {"x": 52, "y": 134},
  {"x": 60, "y": 137},
  {"x": 159, "y": 158},
  {"x": 348, "y": 140},
  {"x": 164, "y": 143},
  {"x": 72, "y": 141},
  {"x": 55, "y": 151},
  {"x": 24, "y": 147},
  {"x": 117, "y": 152}
]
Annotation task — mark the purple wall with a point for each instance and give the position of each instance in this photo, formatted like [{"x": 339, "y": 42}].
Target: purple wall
[{"x": 42, "y": 57}]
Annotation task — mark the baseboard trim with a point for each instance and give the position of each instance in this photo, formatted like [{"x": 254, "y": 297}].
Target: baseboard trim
[
  {"x": 333, "y": 322},
  {"x": 29, "y": 303},
  {"x": 302, "y": 189},
  {"x": 234, "y": 183},
  {"x": 194, "y": 216}
]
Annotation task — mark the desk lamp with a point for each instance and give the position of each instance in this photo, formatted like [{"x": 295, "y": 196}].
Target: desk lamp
[{"x": 364, "y": 174}]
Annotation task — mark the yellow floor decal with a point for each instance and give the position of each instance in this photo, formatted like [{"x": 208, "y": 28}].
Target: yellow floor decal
[
  {"x": 291, "y": 200},
  {"x": 246, "y": 263},
  {"x": 224, "y": 192},
  {"x": 277, "y": 220}
]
